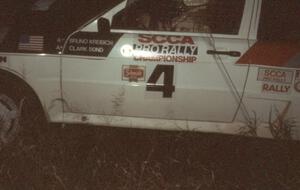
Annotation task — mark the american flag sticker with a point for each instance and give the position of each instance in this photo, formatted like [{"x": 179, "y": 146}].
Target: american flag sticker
[{"x": 31, "y": 43}]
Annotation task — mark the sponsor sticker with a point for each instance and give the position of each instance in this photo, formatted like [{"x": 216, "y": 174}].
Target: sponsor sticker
[
  {"x": 3, "y": 59},
  {"x": 297, "y": 81},
  {"x": 133, "y": 73},
  {"x": 275, "y": 75},
  {"x": 31, "y": 43},
  {"x": 276, "y": 88},
  {"x": 160, "y": 48}
]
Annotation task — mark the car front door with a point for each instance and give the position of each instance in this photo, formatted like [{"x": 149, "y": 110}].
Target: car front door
[{"x": 159, "y": 63}]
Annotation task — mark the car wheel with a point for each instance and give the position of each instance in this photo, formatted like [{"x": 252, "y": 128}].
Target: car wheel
[
  {"x": 9, "y": 119},
  {"x": 19, "y": 114}
]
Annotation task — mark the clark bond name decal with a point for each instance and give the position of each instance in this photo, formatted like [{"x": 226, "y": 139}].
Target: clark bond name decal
[
  {"x": 175, "y": 49},
  {"x": 89, "y": 44}
]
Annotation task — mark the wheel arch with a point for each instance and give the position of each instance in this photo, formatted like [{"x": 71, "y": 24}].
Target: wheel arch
[{"x": 17, "y": 78}]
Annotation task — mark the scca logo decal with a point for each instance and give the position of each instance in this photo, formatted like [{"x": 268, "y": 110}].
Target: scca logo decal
[
  {"x": 3, "y": 59},
  {"x": 160, "y": 39}
]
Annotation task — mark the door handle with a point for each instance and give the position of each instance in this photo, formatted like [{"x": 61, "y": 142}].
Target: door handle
[{"x": 229, "y": 53}]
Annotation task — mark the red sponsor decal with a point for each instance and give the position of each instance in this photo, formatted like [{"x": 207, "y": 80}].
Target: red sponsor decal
[
  {"x": 276, "y": 88},
  {"x": 133, "y": 73},
  {"x": 160, "y": 39}
]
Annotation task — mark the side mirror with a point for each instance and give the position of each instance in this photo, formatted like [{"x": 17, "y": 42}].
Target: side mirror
[{"x": 103, "y": 26}]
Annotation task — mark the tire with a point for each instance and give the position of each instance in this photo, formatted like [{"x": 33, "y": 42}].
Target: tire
[{"x": 20, "y": 113}]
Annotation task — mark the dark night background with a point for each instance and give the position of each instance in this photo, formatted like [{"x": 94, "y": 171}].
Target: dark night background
[{"x": 87, "y": 158}]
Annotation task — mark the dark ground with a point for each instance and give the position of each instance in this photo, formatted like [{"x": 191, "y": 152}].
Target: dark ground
[{"x": 88, "y": 158}]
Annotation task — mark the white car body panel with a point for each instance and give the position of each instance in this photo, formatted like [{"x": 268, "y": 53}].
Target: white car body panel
[
  {"x": 92, "y": 89},
  {"x": 41, "y": 72}
]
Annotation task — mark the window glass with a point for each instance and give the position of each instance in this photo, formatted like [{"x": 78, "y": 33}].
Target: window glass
[
  {"x": 42, "y": 5},
  {"x": 51, "y": 16},
  {"x": 3, "y": 33},
  {"x": 216, "y": 16},
  {"x": 280, "y": 20},
  {"x": 51, "y": 19}
]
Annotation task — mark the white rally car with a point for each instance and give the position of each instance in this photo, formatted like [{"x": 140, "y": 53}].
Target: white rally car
[{"x": 226, "y": 66}]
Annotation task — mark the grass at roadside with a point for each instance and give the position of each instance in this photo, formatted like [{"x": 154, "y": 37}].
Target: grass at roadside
[{"x": 83, "y": 157}]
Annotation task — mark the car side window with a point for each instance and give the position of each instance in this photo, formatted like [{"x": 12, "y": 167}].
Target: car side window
[
  {"x": 3, "y": 33},
  {"x": 284, "y": 25},
  {"x": 197, "y": 16}
]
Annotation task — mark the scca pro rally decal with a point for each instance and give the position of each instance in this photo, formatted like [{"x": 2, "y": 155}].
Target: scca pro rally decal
[
  {"x": 276, "y": 88},
  {"x": 275, "y": 80},
  {"x": 275, "y": 75},
  {"x": 89, "y": 44},
  {"x": 159, "y": 48}
]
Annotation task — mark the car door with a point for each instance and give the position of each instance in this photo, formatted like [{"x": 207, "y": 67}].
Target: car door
[
  {"x": 272, "y": 92},
  {"x": 180, "y": 67}
]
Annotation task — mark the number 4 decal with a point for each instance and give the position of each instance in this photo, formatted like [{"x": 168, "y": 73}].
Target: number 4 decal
[{"x": 167, "y": 87}]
